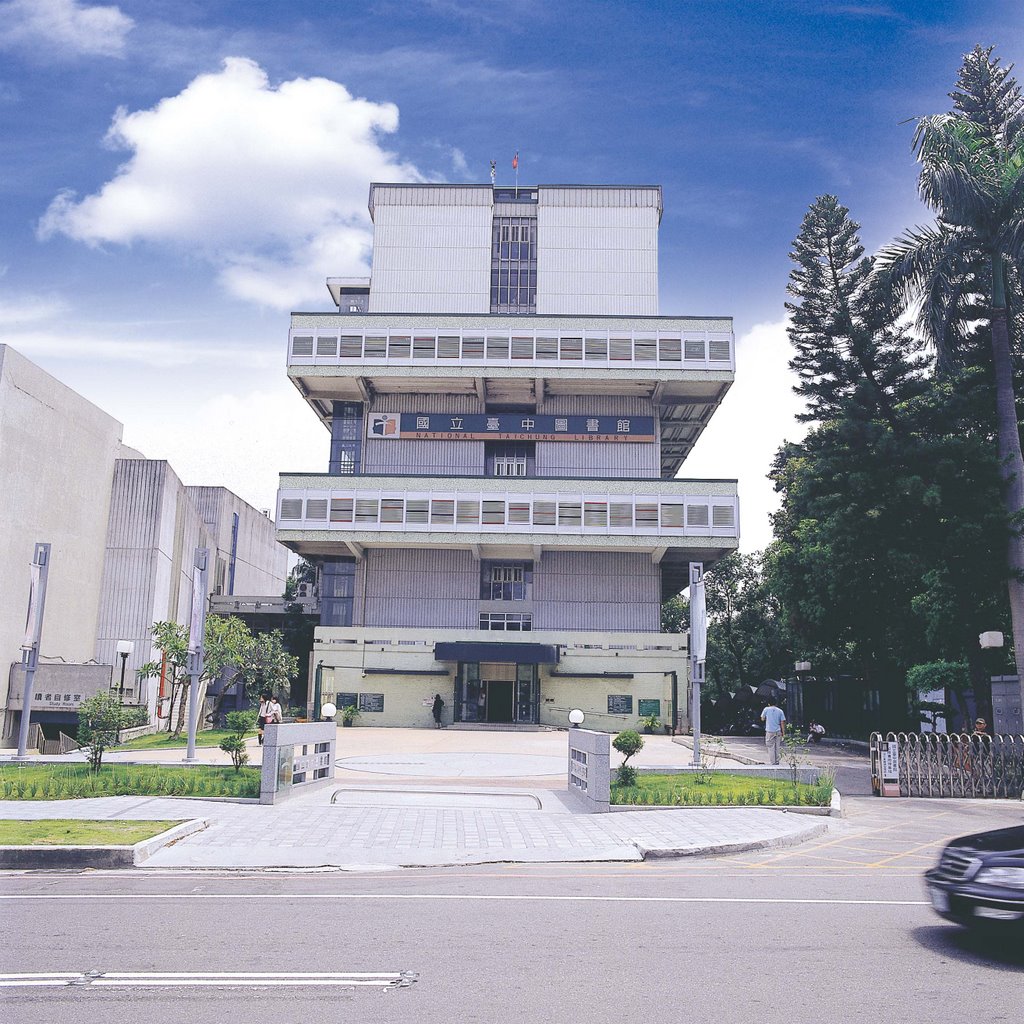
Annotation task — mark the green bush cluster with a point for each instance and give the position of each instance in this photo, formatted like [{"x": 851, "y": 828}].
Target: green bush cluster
[
  {"x": 73, "y": 782},
  {"x": 687, "y": 796},
  {"x": 134, "y": 717}
]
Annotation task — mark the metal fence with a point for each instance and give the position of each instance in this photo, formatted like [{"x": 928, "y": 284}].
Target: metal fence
[{"x": 955, "y": 764}]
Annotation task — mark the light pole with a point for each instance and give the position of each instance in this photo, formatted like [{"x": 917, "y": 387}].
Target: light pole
[
  {"x": 990, "y": 641},
  {"x": 124, "y": 649},
  {"x": 803, "y": 670}
]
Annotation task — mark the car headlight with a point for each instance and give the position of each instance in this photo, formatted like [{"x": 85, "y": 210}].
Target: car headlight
[{"x": 1005, "y": 875}]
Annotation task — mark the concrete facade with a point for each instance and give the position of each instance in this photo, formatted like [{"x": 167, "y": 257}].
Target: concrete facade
[
  {"x": 602, "y": 674},
  {"x": 49, "y": 495},
  {"x": 123, "y": 531},
  {"x": 507, "y": 419}
]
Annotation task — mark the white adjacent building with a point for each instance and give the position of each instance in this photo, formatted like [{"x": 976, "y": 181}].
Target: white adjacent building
[
  {"x": 122, "y": 531},
  {"x": 501, "y": 516}
]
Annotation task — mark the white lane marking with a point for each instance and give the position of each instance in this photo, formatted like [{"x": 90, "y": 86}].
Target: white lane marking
[
  {"x": 34, "y": 984},
  {"x": 235, "y": 983},
  {"x": 207, "y": 979},
  {"x": 45, "y": 974},
  {"x": 460, "y": 896},
  {"x": 391, "y": 975}
]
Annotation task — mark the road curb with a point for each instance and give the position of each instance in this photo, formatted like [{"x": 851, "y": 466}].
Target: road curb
[
  {"x": 741, "y": 846},
  {"x": 63, "y": 858}
]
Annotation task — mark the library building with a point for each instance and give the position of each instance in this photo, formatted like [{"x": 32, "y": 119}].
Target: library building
[{"x": 501, "y": 516}]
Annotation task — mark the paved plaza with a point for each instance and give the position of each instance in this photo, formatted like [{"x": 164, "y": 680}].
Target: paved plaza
[
  {"x": 308, "y": 834},
  {"x": 414, "y": 797}
]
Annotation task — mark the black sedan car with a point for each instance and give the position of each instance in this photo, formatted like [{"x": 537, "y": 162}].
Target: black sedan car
[{"x": 980, "y": 878}]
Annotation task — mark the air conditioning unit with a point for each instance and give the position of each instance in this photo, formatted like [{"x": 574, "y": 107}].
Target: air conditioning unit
[{"x": 304, "y": 591}]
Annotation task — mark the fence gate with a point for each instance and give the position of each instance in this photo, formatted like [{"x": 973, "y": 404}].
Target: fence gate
[{"x": 953, "y": 764}]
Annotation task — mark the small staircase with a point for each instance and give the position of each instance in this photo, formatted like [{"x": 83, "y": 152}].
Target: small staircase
[{"x": 495, "y": 726}]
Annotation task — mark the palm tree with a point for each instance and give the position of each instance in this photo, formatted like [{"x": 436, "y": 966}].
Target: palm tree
[{"x": 972, "y": 176}]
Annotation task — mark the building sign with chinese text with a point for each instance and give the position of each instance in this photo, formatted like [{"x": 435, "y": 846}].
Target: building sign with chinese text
[{"x": 507, "y": 426}]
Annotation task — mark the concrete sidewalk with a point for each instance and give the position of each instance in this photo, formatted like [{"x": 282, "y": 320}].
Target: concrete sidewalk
[
  {"x": 311, "y": 833},
  {"x": 422, "y": 797}
]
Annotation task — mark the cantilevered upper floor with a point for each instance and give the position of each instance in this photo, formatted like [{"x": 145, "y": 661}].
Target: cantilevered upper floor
[
  {"x": 673, "y": 521},
  {"x": 682, "y": 365}
]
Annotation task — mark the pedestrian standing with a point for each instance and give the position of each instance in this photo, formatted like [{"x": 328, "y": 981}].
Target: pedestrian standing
[
  {"x": 270, "y": 712},
  {"x": 774, "y": 719},
  {"x": 436, "y": 709}
]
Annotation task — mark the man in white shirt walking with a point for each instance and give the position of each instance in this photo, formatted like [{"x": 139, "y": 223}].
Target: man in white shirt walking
[{"x": 774, "y": 719}]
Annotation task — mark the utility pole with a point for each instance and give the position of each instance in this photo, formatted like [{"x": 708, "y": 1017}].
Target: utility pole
[
  {"x": 196, "y": 640},
  {"x": 33, "y": 633},
  {"x": 698, "y": 650}
]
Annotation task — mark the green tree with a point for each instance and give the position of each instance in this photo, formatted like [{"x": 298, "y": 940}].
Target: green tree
[
  {"x": 952, "y": 677},
  {"x": 748, "y": 640},
  {"x": 890, "y": 504},
  {"x": 225, "y": 640},
  {"x": 972, "y": 177},
  {"x": 850, "y": 354},
  {"x": 675, "y": 615},
  {"x": 100, "y": 718},
  {"x": 264, "y": 666}
]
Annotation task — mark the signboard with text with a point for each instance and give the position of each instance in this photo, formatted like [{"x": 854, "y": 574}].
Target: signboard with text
[{"x": 508, "y": 426}]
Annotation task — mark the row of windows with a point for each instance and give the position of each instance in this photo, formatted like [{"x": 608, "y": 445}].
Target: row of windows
[
  {"x": 627, "y": 348},
  {"x": 446, "y": 512},
  {"x": 507, "y": 622}
]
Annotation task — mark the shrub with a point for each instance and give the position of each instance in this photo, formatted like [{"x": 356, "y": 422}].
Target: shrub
[
  {"x": 100, "y": 719},
  {"x": 628, "y": 743},
  {"x": 625, "y": 775},
  {"x": 134, "y": 717},
  {"x": 235, "y": 746},
  {"x": 240, "y": 722}
]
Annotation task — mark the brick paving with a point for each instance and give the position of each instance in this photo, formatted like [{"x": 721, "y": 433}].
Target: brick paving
[{"x": 304, "y": 833}]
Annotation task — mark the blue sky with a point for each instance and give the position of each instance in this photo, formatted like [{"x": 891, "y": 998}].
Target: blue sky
[{"x": 177, "y": 175}]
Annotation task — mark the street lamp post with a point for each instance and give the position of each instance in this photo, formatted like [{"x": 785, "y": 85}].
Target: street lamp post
[
  {"x": 124, "y": 650},
  {"x": 803, "y": 670}
]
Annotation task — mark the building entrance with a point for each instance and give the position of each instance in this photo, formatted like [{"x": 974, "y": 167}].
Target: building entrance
[
  {"x": 499, "y": 700},
  {"x": 497, "y": 692}
]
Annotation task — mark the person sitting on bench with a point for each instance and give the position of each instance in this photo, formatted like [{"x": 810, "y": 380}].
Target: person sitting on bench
[{"x": 815, "y": 732}]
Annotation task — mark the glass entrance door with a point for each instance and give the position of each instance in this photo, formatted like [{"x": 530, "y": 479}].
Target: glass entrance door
[
  {"x": 527, "y": 694},
  {"x": 497, "y": 692}
]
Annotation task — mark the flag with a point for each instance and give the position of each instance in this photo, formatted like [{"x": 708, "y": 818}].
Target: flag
[{"x": 515, "y": 161}]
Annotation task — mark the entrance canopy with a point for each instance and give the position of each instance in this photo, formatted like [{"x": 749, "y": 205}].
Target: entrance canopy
[{"x": 520, "y": 654}]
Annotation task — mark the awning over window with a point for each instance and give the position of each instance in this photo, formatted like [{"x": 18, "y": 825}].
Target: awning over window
[{"x": 521, "y": 654}]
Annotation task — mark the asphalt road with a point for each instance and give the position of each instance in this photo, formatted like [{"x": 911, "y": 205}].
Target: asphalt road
[{"x": 837, "y": 929}]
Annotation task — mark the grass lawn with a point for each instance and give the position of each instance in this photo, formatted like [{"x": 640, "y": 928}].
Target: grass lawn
[
  {"x": 70, "y": 832},
  {"x": 719, "y": 789},
  {"x": 159, "y": 740},
  {"x": 74, "y": 781}
]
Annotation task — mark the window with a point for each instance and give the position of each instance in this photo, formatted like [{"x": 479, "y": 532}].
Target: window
[
  {"x": 346, "y": 438},
  {"x": 508, "y": 622},
  {"x": 510, "y": 464},
  {"x": 514, "y": 265},
  {"x": 505, "y": 459},
  {"x": 505, "y": 581}
]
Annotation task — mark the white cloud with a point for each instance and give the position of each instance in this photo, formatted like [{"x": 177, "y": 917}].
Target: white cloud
[
  {"x": 25, "y": 309},
  {"x": 64, "y": 27},
  {"x": 239, "y": 441},
  {"x": 268, "y": 184},
  {"x": 53, "y": 343},
  {"x": 758, "y": 414}
]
